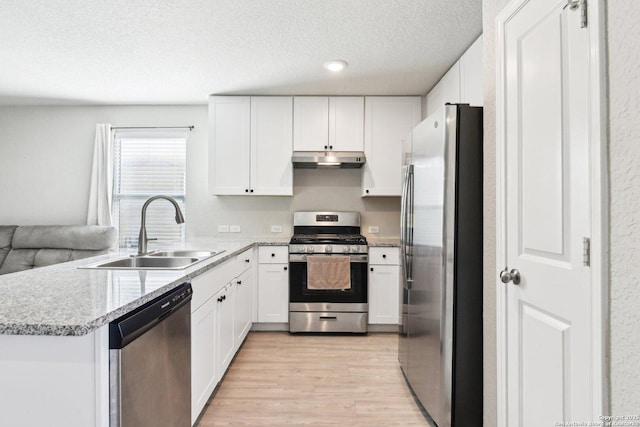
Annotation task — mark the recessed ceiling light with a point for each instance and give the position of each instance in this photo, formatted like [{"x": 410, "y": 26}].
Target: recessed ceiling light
[{"x": 335, "y": 65}]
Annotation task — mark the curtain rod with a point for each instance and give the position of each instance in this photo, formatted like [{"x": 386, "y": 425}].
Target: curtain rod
[{"x": 154, "y": 127}]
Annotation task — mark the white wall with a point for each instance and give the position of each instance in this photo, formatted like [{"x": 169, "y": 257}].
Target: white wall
[
  {"x": 45, "y": 162},
  {"x": 490, "y": 9},
  {"x": 624, "y": 163}
]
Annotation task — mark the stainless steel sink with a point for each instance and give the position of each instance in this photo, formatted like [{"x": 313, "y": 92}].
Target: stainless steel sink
[
  {"x": 160, "y": 260},
  {"x": 195, "y": 254},
  {"x": 149, "y": 262}
]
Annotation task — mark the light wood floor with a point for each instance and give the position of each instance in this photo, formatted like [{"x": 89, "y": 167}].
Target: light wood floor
[{"x": 319, "y": 380}]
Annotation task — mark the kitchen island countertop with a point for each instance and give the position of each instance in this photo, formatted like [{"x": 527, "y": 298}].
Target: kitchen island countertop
[{"x": 62, "y": 299}]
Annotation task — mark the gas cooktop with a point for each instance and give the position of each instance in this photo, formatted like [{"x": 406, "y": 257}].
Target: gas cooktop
[{"x": 336, "y": 239}]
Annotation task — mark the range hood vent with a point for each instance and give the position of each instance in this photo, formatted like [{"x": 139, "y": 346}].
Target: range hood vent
[{"x": 328, "y": 159}]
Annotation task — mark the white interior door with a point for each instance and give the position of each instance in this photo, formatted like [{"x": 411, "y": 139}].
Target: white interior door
[{"x": 545, "y": 213}]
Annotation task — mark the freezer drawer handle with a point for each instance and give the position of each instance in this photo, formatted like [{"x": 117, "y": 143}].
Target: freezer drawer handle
[{"x": 328, "y": 318}]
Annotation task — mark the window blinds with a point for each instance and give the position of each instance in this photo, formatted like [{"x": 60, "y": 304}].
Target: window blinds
[{"x": 147, "y": 166}]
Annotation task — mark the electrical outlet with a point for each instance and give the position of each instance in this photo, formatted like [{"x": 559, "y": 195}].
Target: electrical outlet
[
  {"x": 374, "y": 229},
  {"x": 234, "y": 228},
  {"x": 276, "y": 229},
  {"x": 223, "y": 229}
]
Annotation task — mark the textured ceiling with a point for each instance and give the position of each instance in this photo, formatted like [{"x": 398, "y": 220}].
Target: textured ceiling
[{"x": 180, "y": 51}]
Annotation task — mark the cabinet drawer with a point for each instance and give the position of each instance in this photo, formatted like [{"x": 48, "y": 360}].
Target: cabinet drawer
[
  {"x": 273, "y": 255},
  {"x": 386, "y": 255},
  {"x": 208, "y": 284},
  {"x": 244, "y": 261}
]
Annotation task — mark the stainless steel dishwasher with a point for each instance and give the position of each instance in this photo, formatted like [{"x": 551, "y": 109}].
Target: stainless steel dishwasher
[{"x": 150, "y": 363}]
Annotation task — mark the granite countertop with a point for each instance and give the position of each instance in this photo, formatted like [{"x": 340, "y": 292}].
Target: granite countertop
[
  {"x": 62, "y": 299},
  {"x": 384, "y": 242}
]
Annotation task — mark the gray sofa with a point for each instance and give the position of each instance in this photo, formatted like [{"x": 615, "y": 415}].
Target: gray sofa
[{"x": 31, "y": 246}]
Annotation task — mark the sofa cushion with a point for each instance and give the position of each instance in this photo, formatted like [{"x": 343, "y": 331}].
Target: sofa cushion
[
  {"x": 39, "y": 245},
  {"x": 83, "y": 237},
  {"x": 6, "y": 235}
]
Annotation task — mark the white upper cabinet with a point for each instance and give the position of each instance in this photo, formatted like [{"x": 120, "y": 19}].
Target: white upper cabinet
[
  {"x": 311, "y": 123},
  {"x": 229, "y": 144},
  {"x": 462, "y": 83},
  {"x": 388, "y": 120},
  {"x": 250, "y": 145},
  {"x": 328, "y": 123},
  {"x": 447, "y": 90},
  {"x": 346, "y": 123},
  {"x": 471, "y": 75},
  {"x": 271, "y": 146}
]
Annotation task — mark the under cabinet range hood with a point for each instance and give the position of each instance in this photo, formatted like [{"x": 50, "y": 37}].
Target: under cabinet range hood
[{"x": 327, "y": 159}]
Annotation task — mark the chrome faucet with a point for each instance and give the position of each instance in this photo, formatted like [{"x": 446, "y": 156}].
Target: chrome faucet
[{"x": 142, "y": 238}]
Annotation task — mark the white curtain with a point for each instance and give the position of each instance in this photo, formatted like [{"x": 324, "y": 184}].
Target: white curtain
[{"x": 101, "y": 190}]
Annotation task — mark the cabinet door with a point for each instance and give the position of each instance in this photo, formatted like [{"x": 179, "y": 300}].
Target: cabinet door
[
  {"x": 229, "y": 139},
  {"x": 273, "y": 293},
  {"x": 388, "y": 120},
  {"x": 271, "y": 146},
  {"x": 384, "y": 294},
  {"x": 346, "y": 123},
  {"x": 224, "y": 329},
  {"x": 447, "y": 90},
  {"x": 471, "y": 75},
  {"x": 203, "y": 372},
  {"x": 243, "y": 301},
  {"x": 310, "y": 123}
]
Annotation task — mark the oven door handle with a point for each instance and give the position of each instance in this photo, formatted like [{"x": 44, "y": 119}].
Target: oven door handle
[{"x": 352, "y": 258}]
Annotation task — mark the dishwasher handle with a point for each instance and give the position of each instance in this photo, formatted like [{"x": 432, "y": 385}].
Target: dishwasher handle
[{"x": 130, "y": 326}]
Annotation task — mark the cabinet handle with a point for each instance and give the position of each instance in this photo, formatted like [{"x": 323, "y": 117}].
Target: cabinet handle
[
  {"x": 384, "y": 255},
  {"x": 239, "y": 282},
  {"x": 371, "y": 268},
  {"x": 251, "y": 190},
  {"x": 273, "y": 255},
  {"x": 331, "y": 147},
  {"x": 246, "y": 260},
  {"x": 367, "y": 191},
  {"x": 285, "y": 268},
  {"x": 224, "y": 297},
  {"x": 219, "y": 299},
  {"x": 325, "y": 147},
  {"x": 246, "y": 190}
]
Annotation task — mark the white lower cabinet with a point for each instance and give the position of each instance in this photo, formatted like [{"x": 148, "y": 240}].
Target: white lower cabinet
[
  {"x": 243, "y": 306},
  {"x": 221, "y": 317},
  {"x": 273, "y": 284},
  {"x": 384, "y": 286},
  {"x": 225, "y": 343},
  {"x": 203, "y": 367}
]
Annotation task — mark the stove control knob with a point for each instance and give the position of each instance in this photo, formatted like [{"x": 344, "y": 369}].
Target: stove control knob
[
  {"x": 355, "y": 249},
  {"x": 328, "y": 248},
  {"x": 310, "y": 249},
  {"x": 302, "y": 249},
  {"x": 346, "y": 249}
]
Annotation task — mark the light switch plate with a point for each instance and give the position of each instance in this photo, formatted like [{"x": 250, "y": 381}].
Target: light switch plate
[
  {"x": 374, "y": 229},
  {"x": 234, "y": 228},
  {"x": 276, "y": 229},
  {"x": 223, "y": 229}
]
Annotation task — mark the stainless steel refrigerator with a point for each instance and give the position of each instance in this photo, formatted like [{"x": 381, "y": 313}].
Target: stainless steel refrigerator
[{"x": 440, "y": 348}]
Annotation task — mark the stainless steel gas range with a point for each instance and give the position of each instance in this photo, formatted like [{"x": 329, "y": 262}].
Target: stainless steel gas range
[{"x": 328, "y": 260}]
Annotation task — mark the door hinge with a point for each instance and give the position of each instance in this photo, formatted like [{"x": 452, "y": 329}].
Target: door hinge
[
  {"x": 579, "y": 4},
  {"x": 586, "y": 251}
]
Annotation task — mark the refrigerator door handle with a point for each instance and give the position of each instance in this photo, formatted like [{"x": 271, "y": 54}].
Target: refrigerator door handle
[{"x": 404, "y": 225}]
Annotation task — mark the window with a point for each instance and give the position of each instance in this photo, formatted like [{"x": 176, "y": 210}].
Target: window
[{"x": 148, "y": 164}]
